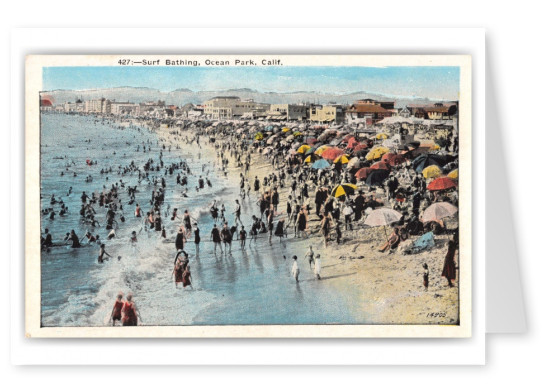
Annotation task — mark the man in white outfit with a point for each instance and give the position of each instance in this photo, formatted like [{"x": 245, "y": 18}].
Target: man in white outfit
[
  {"x": 295, "y": 271},
  {"x": 317, "y": 267}
]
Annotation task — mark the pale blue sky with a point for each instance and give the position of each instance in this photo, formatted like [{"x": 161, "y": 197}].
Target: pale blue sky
[{"x": 431, "y": 82}]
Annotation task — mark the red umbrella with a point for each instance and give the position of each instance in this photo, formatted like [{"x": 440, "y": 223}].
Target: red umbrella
[
  {"x": 351, "y": 143},
  {"x": 442, "y": 183},
  {"x": 379, "y": 166},
  {"x": 393, "y": 159},
  {"x": 348, "y": 137},
  {"x": 332, "y": 153},
  {"x": 311, "y": 141},
  {"x": 362, "y": 173},
  {"x": 359, "y": 147}
]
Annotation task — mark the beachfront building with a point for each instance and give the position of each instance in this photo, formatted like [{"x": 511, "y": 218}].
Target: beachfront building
[
  {"x": 287, "y": 112},
  {"x": 326, "y": 113},
  {"x": 369, "y": 111},
  {"x": 74, "y": 107},
  {"x": 438, "y": 111},
  {"x": 124, "y": 108},
  {"x": 229, "y": 107},
  {"x": 95, "y": 106}
]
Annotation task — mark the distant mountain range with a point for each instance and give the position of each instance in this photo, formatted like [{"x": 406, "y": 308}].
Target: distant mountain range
[{"x": 182, "y": 96}]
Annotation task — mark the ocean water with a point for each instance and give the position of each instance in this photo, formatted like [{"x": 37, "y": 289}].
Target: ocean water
[{"x": 245, "y": 287}]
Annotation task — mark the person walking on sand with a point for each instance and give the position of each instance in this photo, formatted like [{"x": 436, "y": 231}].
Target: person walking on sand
[
  {"x": 449, "y": 263},
  {"x": 237, "y": 212},
  {"x": 317, "y": 267},
  {"x": 130, "y": 313},
  {"x": 295, "y": 271},
  {"x": 116, "y": 313},
  {"x": 426, "y": 276}
]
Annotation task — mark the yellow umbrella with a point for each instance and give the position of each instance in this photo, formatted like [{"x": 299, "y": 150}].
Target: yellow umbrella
[
  {"x": 297, "y": 133},
  {"x": 454, "y": 174},
  {"x": 258, "y": 136},
  {"x": 435, "y": 147},
  {"x": 303, "y": 148},
  {"x": 285, "y": 130},
  {"x": 376, "y": 153},
  {"x": 308, "y": 159},
  {"x": 380, "y": 136},
  {"x": 344, "y": 189},
  {"x": 321, "y": 149},
  {"x": 341, "y": 159},
  {"x": 432, "y": 171}
]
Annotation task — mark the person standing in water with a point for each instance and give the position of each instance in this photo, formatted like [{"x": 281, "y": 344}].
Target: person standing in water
[
  {"x": 310, "y": 257},
  {"x": 116, "y": 313},
  {"x": 197, "y": 238},
  {"x": 215, "y": 237},
  {"x": 295, "y": 271},
  {"x": 317, "y": 267},
  {"x": 102, "y": 253},
  {"x": 130, "y": 312},
  {"x": 180, "y": 240}
]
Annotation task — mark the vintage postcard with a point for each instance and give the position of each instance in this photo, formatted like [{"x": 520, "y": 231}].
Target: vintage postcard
[{"x": 224, "y": 196}]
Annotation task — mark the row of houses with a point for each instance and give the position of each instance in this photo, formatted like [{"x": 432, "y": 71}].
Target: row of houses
[{"x": 365, "y": 111}]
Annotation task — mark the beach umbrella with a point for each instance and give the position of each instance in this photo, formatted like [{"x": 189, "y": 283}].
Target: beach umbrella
[
  {"x": 359, "y": 147},
  {"x": 303, "y": 148},
  {"x": 343, "y": 159},
  {"x": 432, "y": 171},
  {"x": 379, "y": 166},
  {"x": 425, "y": 160},
  {"x": 354, "y": 162},
  {"x": 438, "y": 211},
  {"x": 321, "y": 164},
  {"x": 297, "y": 134},
  {"x": 435, "y": 147},
  {"x": 393, "y": 159},
  {"x": 376, "y": 177},
  {"x": 321, "y": 149},
  {"x": 376, "y": 153},
  {"x": 343, "y": 189},
  {"x": 311, "y": 141},
  {"x": 285, "y": 130},
  {"x": 382, "y": 217},
  {"x": 441, "y": 183},
  {"x": 258, "y": 136},
  {"x": 351, "y": 143},
  {"x": 310, "y": 151},
  {"x": 332, "y": 153},
  {"x": 311, "y": 158},
  {"x": 362, "y": 173},
  {"x": 454, "y": 174},
  {"x": 381, "y": 136}
]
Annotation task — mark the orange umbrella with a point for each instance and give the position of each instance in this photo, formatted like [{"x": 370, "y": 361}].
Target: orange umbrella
[
  {"x": 332, "y": 153},
  {"x": 442, "y": 183}
]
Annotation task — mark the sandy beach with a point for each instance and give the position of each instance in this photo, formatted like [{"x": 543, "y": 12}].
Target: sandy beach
[{"x": 387, "y": 286}]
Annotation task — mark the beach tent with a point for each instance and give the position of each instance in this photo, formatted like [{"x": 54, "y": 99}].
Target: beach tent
[{"x": 432, "y": 172}]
